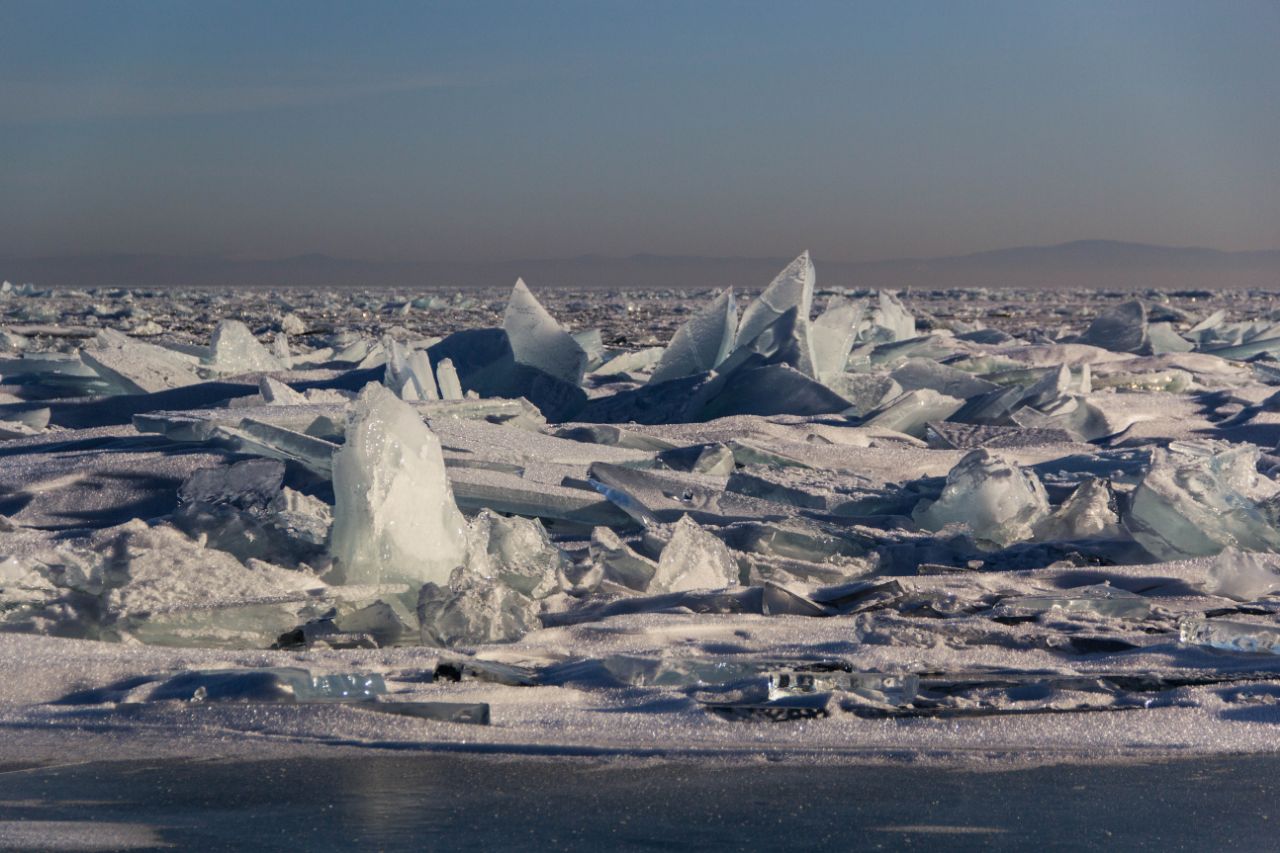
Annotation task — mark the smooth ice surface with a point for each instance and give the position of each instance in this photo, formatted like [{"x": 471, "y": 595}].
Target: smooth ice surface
[
  {"x": 702, "y": 342},
  {"x": 538, "y": 340},
  {"x": 394, "y": 515}
]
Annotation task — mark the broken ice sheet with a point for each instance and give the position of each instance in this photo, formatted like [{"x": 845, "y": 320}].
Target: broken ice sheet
[{"x": 1097, "y": 600}]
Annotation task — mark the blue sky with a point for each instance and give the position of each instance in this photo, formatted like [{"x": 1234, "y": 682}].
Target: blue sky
[{"x": 486, "y": 130}]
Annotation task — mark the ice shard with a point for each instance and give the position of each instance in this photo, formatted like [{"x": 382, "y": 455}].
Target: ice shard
[
  {"x": 275, "y": 392},
  {"x": 998, "y": 501},
  {"x": 1198, "y": 498},
  {"x": 887, "y": 321},
  {"x": 1230, "y": 636},
  {"x": 619, "y": 562},
  {"x": 394, "y": 517},
  {"x": 702, "y": 342},
  {"x": 1097, "y": 600},
  {"x": 1243, "y": 575},
  {"x": 694, "y": 559},
  {"x": 234, "y": 349},
  {"x": 537, "y": 340},
  {"x": 912, "y": 411},
  {"x": 831, "y": 336},
  {"x": 408, "y": 372},
  {"x": 792, "y": 288}
]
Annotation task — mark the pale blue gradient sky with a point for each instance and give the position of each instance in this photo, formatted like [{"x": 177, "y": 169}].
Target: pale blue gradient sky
[{"x": 505, "y": 130}]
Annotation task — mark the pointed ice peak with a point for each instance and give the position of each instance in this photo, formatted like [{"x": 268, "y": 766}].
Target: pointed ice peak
[
  {"x": 234, "y": 349},
  {"x": 704, "y": 341},
  {"x": 537, "y": 340},
  {"x": 792, "y": 288}
]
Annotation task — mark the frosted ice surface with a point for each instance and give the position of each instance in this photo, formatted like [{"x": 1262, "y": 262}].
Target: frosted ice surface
[
  {"x": 998, "y": 501},
  {"x": 1198, "y": 498},
  {"x": 234, "y": 349},
  {"x": 694, "y": 559},
  {"x": 791, "y": 288},
  {"x": 394, "y": 515},
  {"x": 702, "y": 342},
  {"x": 539, "y": 341}
]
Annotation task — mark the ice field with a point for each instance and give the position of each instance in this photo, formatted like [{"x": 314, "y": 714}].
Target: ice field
[{"x": 796, "y": 522}]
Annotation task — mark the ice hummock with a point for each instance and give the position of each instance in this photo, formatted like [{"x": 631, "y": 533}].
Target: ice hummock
[
  {"x": 394, "y": 517},
  {"x": 998, "y": 501}
]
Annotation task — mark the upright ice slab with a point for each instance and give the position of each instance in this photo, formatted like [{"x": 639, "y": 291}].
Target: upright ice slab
[
  {"x": 995, "y": 499},
  {"x": 792, "y": 288},
  {"x": 539, "y": 341},
  {"x": 702, "y": 342},
  {"x": 394, "y": 516},
  {"x": 408, "y": 372},
  {"x": 831, "y": 337}
]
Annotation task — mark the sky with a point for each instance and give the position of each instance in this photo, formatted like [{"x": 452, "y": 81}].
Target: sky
[{"x": 480, "y": 131}]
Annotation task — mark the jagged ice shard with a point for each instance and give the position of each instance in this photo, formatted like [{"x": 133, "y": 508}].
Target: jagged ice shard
[
  {"x": 234, "y": 349},
  {"x": 792, "y": 288},
  {"x": 394, "y": 515},
  {"x": 538, "y": 340},
  {"x": 702, "y": 342}
]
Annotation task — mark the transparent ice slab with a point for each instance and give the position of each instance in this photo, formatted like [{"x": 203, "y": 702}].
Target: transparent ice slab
[
  {"x": 1230, "y": 636},
  {"x": 790, "y": 289},
  {"x": 1097, "y": 600}
]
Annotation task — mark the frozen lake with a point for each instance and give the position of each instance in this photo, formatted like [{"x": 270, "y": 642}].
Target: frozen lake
[{"x": 450, "y": 802}]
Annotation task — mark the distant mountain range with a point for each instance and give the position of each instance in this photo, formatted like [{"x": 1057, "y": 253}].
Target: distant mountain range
[{"x": 1081, "y": 264}]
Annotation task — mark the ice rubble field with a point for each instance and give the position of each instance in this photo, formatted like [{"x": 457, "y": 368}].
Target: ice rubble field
[{"x": 811, "y": 524}]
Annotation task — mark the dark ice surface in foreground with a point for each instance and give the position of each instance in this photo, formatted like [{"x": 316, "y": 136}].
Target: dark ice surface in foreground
[{"x": 449, "y": 802}]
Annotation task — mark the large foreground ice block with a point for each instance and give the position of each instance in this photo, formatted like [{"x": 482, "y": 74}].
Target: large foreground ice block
[
  {"x": 702, "y": 342},
  {"x": 537, "y": 340},
  {"x": 1198, "y": 498},
  {"x": 792, "y": 288},
  {"x": 693, "y": 559},
  {"x": 234, "y": 349},
  {"x": 995, "y": 499},
  {"x": 394, "y": 516}
]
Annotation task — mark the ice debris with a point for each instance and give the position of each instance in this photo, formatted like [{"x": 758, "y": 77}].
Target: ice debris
[{"x": 997, "y": 500}]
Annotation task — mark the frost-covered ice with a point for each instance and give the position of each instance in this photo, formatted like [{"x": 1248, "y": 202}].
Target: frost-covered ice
[{"x": 938, "y": 525}]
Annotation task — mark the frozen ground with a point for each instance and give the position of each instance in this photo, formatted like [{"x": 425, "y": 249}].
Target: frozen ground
[{"x": 987, "y": 528}]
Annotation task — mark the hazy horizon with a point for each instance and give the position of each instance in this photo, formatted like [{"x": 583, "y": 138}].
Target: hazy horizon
[{"x": 488, "y": 132}]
